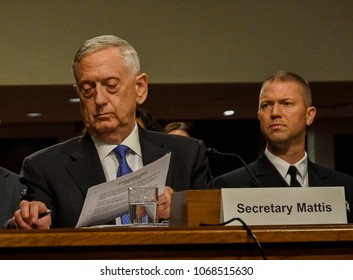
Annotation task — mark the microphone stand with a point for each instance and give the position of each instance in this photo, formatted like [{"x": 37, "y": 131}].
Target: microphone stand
[{"x": 213, "y": 153}]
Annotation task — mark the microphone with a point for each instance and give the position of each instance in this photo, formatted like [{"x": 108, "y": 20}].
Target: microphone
[{"x": 214, "y": 153}]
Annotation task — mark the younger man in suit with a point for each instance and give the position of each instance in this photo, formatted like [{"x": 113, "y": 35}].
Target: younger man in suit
[{"x": 285, "y": 110}]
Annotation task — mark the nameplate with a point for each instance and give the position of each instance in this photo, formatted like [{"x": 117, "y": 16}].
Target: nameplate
[{"x": 284, "y": 205}]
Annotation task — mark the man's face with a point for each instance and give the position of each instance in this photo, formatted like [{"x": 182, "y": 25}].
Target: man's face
[
  {"x": 109, "y": 92},
  {"x": 283, "y": 113}
]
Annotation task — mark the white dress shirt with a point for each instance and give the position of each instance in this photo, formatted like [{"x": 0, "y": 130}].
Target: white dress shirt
[
  {"x": 110, "y": 162},
  {"x": 282, "y": 167}
]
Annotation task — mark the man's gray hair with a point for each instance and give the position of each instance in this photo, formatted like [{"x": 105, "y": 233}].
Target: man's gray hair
[{"x": 101, "y": 42}]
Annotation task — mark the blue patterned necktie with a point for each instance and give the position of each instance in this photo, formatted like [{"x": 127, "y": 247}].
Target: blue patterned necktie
[
  {"x": 123, "y": 169},
  {"x": 120, "y": 152}
]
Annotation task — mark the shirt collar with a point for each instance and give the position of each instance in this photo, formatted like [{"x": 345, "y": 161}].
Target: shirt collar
[
  {"x": 282, "y": 166},
  {"x": 132, "y": 141}
]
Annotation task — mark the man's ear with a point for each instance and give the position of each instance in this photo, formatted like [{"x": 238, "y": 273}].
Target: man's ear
[
  {"x": 141, "y": 85},
  {"x": 311, "y": 113}
]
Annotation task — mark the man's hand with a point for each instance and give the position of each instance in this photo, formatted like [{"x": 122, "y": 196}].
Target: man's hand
[
  {"x": 28, "y": 216},
  {"x": 164, "y": 202}
]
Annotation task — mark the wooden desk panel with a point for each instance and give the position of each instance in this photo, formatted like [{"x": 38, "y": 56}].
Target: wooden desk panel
[{"x": 229, "y": 242}]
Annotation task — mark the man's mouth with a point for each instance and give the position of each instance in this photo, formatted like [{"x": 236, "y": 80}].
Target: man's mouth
[{"x": 276, "y": 126}]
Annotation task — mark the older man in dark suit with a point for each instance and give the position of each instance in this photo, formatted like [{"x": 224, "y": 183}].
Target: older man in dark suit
[
  {"x": 110, "y": 86},
  {"x": 285, "y": 110}
]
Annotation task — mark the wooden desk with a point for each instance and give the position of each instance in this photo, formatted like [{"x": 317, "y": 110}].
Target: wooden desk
[{"x": 228, "y": 242}]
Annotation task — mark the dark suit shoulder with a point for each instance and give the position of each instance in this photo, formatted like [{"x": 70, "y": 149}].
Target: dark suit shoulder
[
  {"x": 61, "y": 148},
  {"x": 7, "y": 173},
  {"x": 188, "y": 167},
  {"x": 170, "y": 138},
  {"x": 262, "y": 169},
  {"x": 233, "y": 179},
  {"x": 158, "y": 144},
  {"x": 319, "y": 174},
  {"x": 186, "y": 147},
  {"x": 11, "y": 179}
]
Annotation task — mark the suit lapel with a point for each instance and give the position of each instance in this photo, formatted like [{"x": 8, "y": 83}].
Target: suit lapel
[
  {"x": 86, "y": 169},
  {"x": 267, "y": 173},
  {"x": 85, "y": 166},
  {"x": 152, "y": 147},
  {"x": 316, "y": 177}
]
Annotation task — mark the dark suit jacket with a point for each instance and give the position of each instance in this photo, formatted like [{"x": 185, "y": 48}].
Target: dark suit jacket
[
  {"x": 268, "y": 176},
  {"x": 60, "y": 175},
  {"x": 10, "y": 190}
]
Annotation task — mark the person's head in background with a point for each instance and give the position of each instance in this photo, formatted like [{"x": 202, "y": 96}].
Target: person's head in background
[
  {"x": 178, "y": 128},
  {"x": 146, "y": 120},
  {"x": 285, "y": 110}
]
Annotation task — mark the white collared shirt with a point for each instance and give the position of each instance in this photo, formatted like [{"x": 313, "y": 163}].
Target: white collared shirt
[
  {"x": 282, "y": 167},
  {"x": 110, "y": 162}
]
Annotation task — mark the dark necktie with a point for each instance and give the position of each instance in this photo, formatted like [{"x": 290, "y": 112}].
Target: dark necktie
[
  {"x": 123, "y": 169},
  {"x": 292, "y": 171}
]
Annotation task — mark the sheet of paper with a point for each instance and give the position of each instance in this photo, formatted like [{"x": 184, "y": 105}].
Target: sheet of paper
[{"x": 106, "y": 201}]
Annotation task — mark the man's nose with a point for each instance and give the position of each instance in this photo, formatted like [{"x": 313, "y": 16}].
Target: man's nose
[
  {"x": 100, "y": 95},
  {"x": 276, "y": 109}
]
